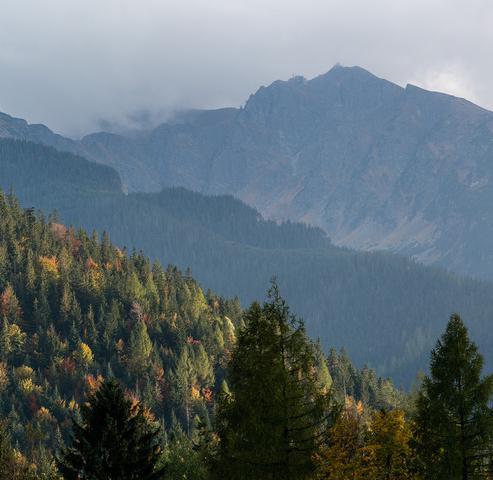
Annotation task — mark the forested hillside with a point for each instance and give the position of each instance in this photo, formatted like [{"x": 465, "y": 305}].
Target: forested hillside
[
  {"x": 75, "y": 308},
  {"x": 53, "y": 174},
  {"x": 384, "y": 309}
]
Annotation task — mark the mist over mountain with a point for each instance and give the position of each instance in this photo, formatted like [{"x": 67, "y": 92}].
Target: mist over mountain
[{"x": 377, "y": 166}]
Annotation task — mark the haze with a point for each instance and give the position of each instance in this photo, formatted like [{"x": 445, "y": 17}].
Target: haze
[{"x": 81, "y": 66}]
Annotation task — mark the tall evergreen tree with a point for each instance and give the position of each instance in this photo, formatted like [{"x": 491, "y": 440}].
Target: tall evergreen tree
[
  {"x": 454, "y": 420},
  {"x": 113, "y": 441},
  {"x": 140, "y": 344},
  {"x": 273, "y": 421}
]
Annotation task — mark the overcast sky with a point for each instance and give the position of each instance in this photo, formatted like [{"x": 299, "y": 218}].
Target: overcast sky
[{"x": 73, "y": 63}]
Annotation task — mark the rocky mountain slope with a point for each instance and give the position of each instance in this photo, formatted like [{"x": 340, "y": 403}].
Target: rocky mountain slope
[{"x": 375, "y": 165}]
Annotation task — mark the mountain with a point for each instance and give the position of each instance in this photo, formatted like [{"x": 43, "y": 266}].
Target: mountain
[
  {"x": 386, "y": 310},
  {"x": 377, "y": 166}
]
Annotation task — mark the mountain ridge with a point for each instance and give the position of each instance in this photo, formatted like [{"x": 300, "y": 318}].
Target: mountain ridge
[{"x": 376, "y": 165}]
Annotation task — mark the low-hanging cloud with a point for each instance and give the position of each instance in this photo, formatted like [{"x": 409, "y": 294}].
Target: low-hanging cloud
[{"x": 82, "y": 65}]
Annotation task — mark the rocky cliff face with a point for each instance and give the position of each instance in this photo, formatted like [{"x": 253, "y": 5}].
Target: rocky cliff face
[{"x": 375, "y": 165}]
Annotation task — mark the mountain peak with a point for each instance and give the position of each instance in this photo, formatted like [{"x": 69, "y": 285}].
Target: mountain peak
[
  {"x": 352, "y": 76},
  {"x": 338, "y": 67},
  {"x": 353, "y": 79},
  {"x": 346, "y": 71}
]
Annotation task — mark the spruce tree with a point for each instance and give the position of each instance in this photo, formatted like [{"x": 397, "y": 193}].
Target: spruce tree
[
  {"x": 454, "y": 420},
  {"x": 113, "y": 440},
  {"x": 274, "y": 419},
  {"x": 140, "y": 348}
]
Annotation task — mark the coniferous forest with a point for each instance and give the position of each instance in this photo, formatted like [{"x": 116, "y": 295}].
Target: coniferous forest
[{"x": 114, "y": 367}]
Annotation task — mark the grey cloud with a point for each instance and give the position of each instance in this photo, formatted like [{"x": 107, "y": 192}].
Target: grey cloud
[{"x": 79, "y": 65}]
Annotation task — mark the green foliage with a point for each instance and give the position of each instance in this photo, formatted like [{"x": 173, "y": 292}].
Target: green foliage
[
  {"x": 362, "y": 384},
  {"x": 273, "y": 421},
  {"x": 185, "y": 457},
  {"x": 140, "y": 344},
  {"x": 113, "y": 440},
  {"x": 454, "y": 422},
  {"x": 75, "y": 310}
]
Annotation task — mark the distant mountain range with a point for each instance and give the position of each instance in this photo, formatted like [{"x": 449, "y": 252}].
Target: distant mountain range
[
  {"x": 377, "y": 166},
  {"x": 386, "y": 310}
]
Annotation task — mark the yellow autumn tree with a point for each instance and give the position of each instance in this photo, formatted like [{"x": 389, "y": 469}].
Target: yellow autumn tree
[
  {"x": 389, "y": 453},
  {"x": 12, "y": 339},
  {"x": 4, "y": 377},
  {"x": 83, "y": 355},
  {"x": 49, "y": 266},
  {"x": 345, "y": 456}
]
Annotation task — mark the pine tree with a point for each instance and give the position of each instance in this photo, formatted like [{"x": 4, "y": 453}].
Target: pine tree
[
  {"x": 113, "y": 440},
  {"x": 341, "y": 372},
  {"x": 140, "y": 344},
  {"x": 183, "y": 380},
  {"x": 275, "y": 418},
  {"x": 90, "y": 332},
  {"x": 453, "y": 421},
  {"x": 323, "y": 373},
  {"x": 110, "y": 327}
]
